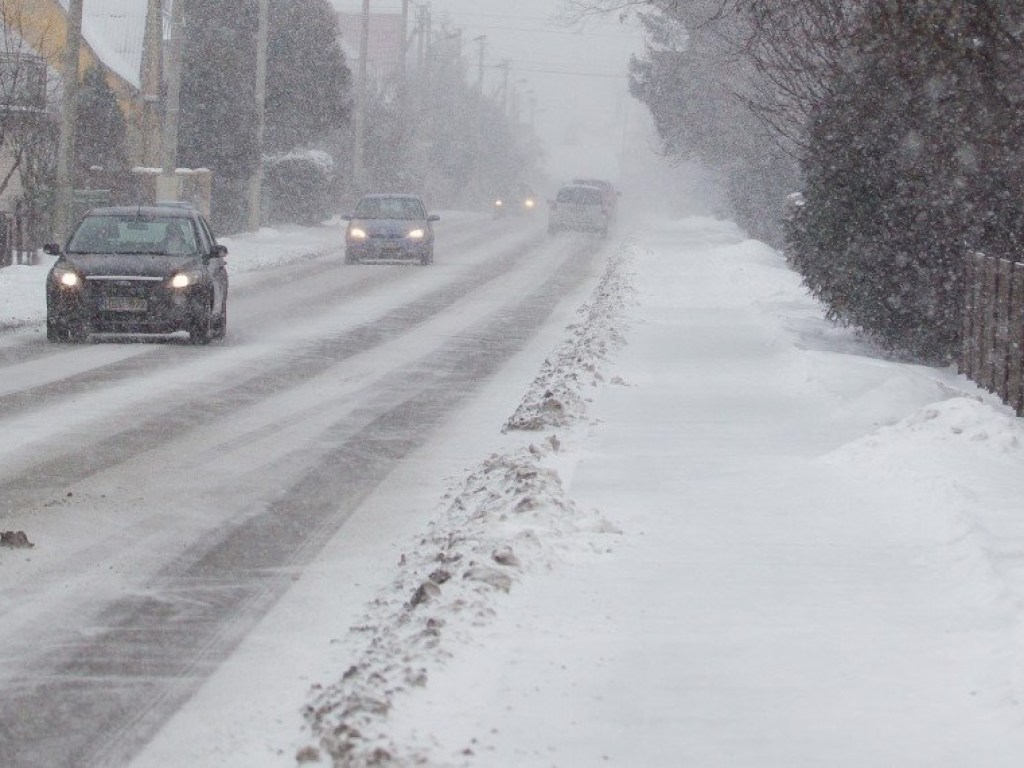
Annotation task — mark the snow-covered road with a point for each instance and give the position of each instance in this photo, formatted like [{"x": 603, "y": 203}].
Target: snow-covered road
[
  {"x": 733, "y": 535},
  {"x": 172, "y": 492}
]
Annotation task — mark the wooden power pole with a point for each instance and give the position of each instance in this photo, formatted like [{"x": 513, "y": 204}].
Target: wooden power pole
[
  {"x": 359, "y": 119},
  {"x": 172, "y": 107},
  {"x": 151, "y": 81},
  {"x": 66, "y": 147},
  {"x": 256, "y": 182}
]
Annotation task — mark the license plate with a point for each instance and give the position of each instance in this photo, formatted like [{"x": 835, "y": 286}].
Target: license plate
[{"x": 124, "y": 304}]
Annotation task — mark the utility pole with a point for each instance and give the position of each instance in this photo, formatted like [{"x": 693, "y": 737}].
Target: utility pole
[
  {"x": 506, "y": 67},
  {"x": 481, "y": 41},
  {"x": 173, "y": 104},
  {"x": 66, "y": 147},
  {"x": 359, "y": 119},
  {"x": 403, "y": 55},
  {"x": 150, "y": 82},
  {"x": 256, "y": 182}
]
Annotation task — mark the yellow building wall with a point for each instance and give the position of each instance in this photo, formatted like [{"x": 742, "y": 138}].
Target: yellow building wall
[{"x": 43, "y": 25}]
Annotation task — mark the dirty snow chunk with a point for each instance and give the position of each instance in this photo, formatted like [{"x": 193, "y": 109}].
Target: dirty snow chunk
[
  {"x": 508, "y": 519},
  {"x": 489, "y": 576},
  {"x": 15, "y": 539},
  {"x": 555, "y": 398}
]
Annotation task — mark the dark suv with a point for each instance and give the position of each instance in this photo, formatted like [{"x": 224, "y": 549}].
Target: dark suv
[{"x": 140, "y": 269}]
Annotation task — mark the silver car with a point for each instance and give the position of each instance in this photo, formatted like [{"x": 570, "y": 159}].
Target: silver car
[
  {"x": 390, "y": 226},
  {"x": 581, "y": 208}
]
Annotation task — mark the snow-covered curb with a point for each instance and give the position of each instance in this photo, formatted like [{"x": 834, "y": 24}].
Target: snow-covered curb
[
  {"x": 556, "y": 397},
  {"x": 509, "y": 518}
]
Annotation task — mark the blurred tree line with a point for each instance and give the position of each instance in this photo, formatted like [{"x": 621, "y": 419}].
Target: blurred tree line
[
  {"x": 437, "y": 139},
  {"x": 898, "y": 121}
]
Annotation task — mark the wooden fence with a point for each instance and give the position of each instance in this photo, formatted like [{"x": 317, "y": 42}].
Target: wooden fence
[
  {"x": 19, "y": 238},
  {"x": 993, "y": 333}
]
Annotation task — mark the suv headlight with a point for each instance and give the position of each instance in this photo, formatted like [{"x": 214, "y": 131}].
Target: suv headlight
[
  {"x": 416, "y": 234},
  {"x": 357, "y": 233},
  {"x": 66, "y": 278},
  {"x": 185, "y": 279}
]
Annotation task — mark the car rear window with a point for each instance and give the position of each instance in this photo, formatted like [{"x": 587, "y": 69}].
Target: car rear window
[
  {"x": 133, "y": 234},
  {"x": 390, "y": 208},
  {"x": 584, "y": 195}
]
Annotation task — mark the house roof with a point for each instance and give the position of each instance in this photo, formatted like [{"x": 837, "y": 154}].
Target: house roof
[{"x": 115, "y": 30}]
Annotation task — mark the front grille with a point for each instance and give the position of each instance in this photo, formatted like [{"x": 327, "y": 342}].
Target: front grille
[{"x": 134, "y": 287}]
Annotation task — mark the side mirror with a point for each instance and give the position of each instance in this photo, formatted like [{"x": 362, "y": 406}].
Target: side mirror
[
  {"x": 52, "y": 249},
  {"x": 218, "y": 251},
  {"x": 433, "y": 217}
]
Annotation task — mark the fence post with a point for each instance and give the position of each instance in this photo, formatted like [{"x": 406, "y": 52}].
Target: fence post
[
  {"x": 1015, "y": 323},
  {"x": 6, "y": 253},
  {"x": 1001, "y": 332},
  {"x": 978, "y": 326},
  {"x": 967, "y": 340},
  {"x": 986, "y": 335}
]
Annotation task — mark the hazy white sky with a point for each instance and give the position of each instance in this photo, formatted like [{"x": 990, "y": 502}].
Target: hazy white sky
[{"x": 576, "y": 75}]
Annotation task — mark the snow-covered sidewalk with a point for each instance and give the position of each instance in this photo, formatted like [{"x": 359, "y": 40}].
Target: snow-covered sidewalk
[{"x": 739, "y": 537}]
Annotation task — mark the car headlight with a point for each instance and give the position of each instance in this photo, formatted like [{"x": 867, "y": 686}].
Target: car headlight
[
  {"x": 498, "y": 203},
  {"x": 185, "y": 279},
  {"x": 357, "y": 233},
  {"x": 67, "y": 278},
  {"x": 528, "y": 202},
  {"x": 416, "y": 234}
]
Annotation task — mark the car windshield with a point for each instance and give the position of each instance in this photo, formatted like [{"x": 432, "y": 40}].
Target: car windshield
[
  {"x": 390, "y": 208},
  {"x": 585, "y": 195},
  {"x": 147, "y": 235}
]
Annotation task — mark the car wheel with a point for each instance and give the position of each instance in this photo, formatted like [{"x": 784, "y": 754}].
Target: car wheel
[
  {"x": 552, "y": 230},
  {"x": 201, "y": 329},
  {"x": 351, "y": 259},
  {"x": 220, "y": 328},
  {"x": 427, "y": 258},
  {"x": 55, "y": 331},
  {"x": 76, "y": 332}
]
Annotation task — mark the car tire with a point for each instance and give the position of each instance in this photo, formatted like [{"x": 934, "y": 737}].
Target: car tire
[
  {"x": 220, "y": 328},
  {"x": 427, "y": 258},
  {"x": 201, "y": 328},
  {"x": 552, "y": 230},
  {"x": 76, "y": 332},
  {"x": 55, "y": 331},
  {"x": 351, "y": 259}
]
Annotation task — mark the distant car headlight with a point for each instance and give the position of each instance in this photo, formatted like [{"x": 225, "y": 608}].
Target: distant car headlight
[
  {"x": 416, "y": 234},
  {"x": 185, "y": 279},
  {"x": 66, "y": 277},
  {"x": 356, "y": 233},
  {"x": 528, "y": 202},
  {"x": 498, "y": 203}
]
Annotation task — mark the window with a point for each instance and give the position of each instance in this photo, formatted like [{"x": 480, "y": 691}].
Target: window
[
  {"x": 580, "y": 195},
  {"x": 390, "y": 208},
  {"x": 134, "y": 234}
]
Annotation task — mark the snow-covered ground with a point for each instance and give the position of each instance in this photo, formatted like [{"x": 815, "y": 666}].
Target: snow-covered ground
[{"x": 714, "y": 531}]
